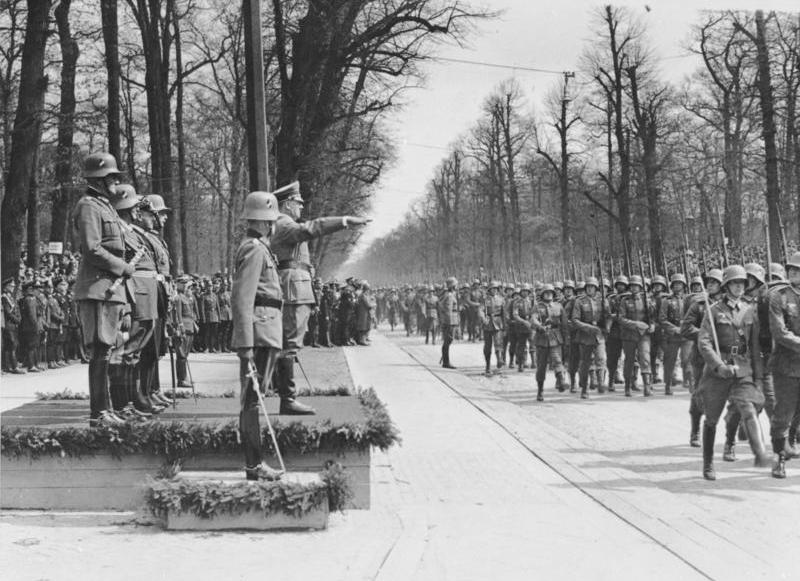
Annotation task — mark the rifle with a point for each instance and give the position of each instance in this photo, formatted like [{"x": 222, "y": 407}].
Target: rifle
[
  {"x": 783, "y": 236},
  {"x": 705, "y": 263},
  {"x": 725, "y": 260},
  {"x": 769, "y": 250},
  {"x": 603, "y": 313},
  {"x": 644, "y": 289}
]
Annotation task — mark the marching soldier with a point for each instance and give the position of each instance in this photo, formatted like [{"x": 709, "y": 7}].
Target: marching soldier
[
  {"x": 11, "y": 320},
  {"x": 493, "y": 325},
  {"x": 614, "y": 340},
  {"x": 674, "y": 344},
  {"x": 589, "y": 318},
  {"x": 728, "y": 343},
  {"x": 450, "y": 319},
  {"x": 101, "y": 301},
  {"x": 657, "y": 294},
  {"x": 474, "y": 305},
  {"x": 548, "y": 323},
  {"x": 521, "y": 314},
  {"x": 508, "y": 303},
  {"x": 257, "y": 323},
  {"x": 636, "y": 318},
  {"x": 290, "y": 244}
]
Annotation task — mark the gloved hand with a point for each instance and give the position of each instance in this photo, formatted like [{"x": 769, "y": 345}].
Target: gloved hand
[
  {"x": 726, "y": 371},
  {"x": 641, "y": 326}
]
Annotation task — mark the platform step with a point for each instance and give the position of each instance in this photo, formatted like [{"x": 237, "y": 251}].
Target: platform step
[{"x": 219, "y": 484}]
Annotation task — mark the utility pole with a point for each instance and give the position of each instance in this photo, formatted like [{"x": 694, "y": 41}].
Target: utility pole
[{"x": 257, "y": 156}]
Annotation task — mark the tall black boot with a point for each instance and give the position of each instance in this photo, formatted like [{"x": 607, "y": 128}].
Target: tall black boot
[
  {"x": 628, "y": 387},
  {"x": 540, "y": 392},
  {"x": 116, "y": 387},
  {"x": 729, "y": 448},
  {"x": 694, "y": 435},
  {"x": 647, "y": 385},
  {"x": 289, "y": 405},
  {"x": 560, "y": 382},
  {"x": 99, "y": 397},
  {"x": 753, "y": 428},
  {"x": 446, "y": 357},
  {"x": 779, "y": 467},
  {"x": 709, "y": 433}
]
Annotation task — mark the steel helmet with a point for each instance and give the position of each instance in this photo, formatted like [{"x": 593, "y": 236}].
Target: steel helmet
[
  {"x": 756, "y": 271},
  {"x": 635, "y": 279},
  {"x": 558, "y": 285},
  {"x": 593, "y": 281},
  {"x": 569, "y": 284},
  {"x": 260, "y": 206},
  {"x": 732, "y": 273},
  {"x": 548, "y": 288},
  {"x": 365, "y": 285},
  {"x": 581, "y": 285},
  {"x": 606, "y": 283},
  {"x": 658, "y": 279},
  {"x": 509, "y": 285},
  {"x": 100, "y": 165},
  {"x": 621, "y": 279},
  {"x": 494, "y": 284},
  {"x": 777, "y": 272},
  {"x": 794, "y": 261},
  {"x": 677, "y": 277},
  {"x": 697, "y": 280},
  {"x": 431, "y": 288},
  {"x": 155, "y": 203},
  {"x": 526, "y": 286},
  {"x": 451, "y": 282},
  {"x": 126, "y": 198},
  {"x": 715, "y": 274}
]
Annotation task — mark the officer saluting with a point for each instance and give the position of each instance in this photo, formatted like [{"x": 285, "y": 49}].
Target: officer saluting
[
  {"x": 100, "y": 301},
  {"x": 256, "y": 299},
  {"x": 290, "y": 244}
]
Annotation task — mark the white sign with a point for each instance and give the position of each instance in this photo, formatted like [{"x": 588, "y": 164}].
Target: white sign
[{"x": 55, "y": 248}]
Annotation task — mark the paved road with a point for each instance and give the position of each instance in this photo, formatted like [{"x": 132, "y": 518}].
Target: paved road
[{"x": 485, "y": 485}]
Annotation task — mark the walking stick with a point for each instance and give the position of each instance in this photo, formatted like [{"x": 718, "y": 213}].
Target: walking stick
[
  {"x": 310, "y": 388},
  {"x": 255, "y": 383},
  {"x": 171, "y": 349},
  {"x": 191, "y": 379}
]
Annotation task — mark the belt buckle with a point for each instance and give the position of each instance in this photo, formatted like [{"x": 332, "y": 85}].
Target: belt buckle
[{"x": 734, "y": 350}]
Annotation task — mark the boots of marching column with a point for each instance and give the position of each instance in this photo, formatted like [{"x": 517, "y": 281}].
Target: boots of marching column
[
  {"x": 779, "y": 466},
  {"x": 709, "y": 434},
  {"x": 648, "y": 387},
  {"x": 694, "y": 434},
  {"x": 731, "y": 427},
  {"x": 753, "y": 428}
]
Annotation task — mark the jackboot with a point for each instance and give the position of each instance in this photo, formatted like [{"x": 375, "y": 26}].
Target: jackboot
[
  {"x": 540, "y": 392},
  {"x": 668, "y": 388},
  {"x": 498, "y": 356},
  {"x": 694, "y": 435},
  {"x": 99, "y": 397},
  {"x": 116, "y": 387},
  {"x": 779, "y": 467},
  {"x": 140, "y": 402},
  {"x": 628, "y": 388},
  {"x": 709, "y": 433},
  {"x": 584, "y": 392},
  {"x": 592, "y": 380},
  {"x": 753, "y": 428},
  {"x": 572, "y": 386},
  {"x": 729, "y": 449},
  {"x": 647, "y": 386},
  {"x": 560, "y": 382},
  {"x": 601, "y": 385}
]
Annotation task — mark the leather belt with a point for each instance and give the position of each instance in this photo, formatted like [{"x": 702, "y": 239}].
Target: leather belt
[
  {"x": 290, "y": 263},
  {"x": 264, "y": 301},
  {"x": 145, "y": 274},
  {"x": 734, "y": 350}
]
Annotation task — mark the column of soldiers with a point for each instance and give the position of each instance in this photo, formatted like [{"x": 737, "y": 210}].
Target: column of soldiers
[{"x": 743, "y": 352}]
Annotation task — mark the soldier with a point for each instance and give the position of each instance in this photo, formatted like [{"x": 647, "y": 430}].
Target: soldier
[
  {"x": 521, "y": 313},
  {"x": 100, "y": 300},
  {"x": 614, "y": 340},
  {"x": 637, "y": 320},
  {"x": 257, "y": 323},
  {"x": 365, "y": 309},
  {"x": 589, "y": 318},
  {"x": 509, "y": 297},
  {"x": 30, "y": 326},
  {"x": 186, "y": 311},
  {"x": 43, "y": 292},
  {"x": 55, "y": 325},
  {"x": 657, "y": 294},
  {"x": 690, "y": 329},
  {"x": 392, "y": 308},
  {"x": 728, "y": 343},
  {"x": 494, "y": 323},
  {"x": 312, "y": 335},
  {"x": 74, "y": 342},
  {"x": 11, "y": 323},
  {"x": 450, "y": 319},
  {"x": 212, "y": 311},
  {"x": 670, "y": 316},
  {"x": 225, "y": 317},
  {"x": 346, "y": 306},
  {"x": 290, "y": 244},
  {"x": 548, "y": 322},
  {"x": 431, "y": 315},
  {"x": 474, "y": 303}
]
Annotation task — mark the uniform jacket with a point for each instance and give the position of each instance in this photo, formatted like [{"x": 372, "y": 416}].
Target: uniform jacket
[
  {"x": 494, "y": 318},
  {"x": 784, "y": 324},
  {"x": 521, "y": 313},
  {"x": 549, "y": 322},
  {"x": 290, "y": 243},
  {"x": 365, "y": 307},
  {"x": 256, "y": 276},
  {"x": 30, "y": 315},
  {"x": 55, "y": 314},
  {"x": 693, "y": 317},
  {"x": 211, "y": 307},
  {"x": 449, "y": 304},
  {"x": 670, "y": 315},
  {"x": 586, "y": 318},
  {"x": 432, "y": 307},
  {"x": 186, "y": 310},
  {"x": 99, "y": 234},
  {"x": 614, "y": 299},
  {"x": 142, "y": 286},
  {"x": 634, "y": 317},
  {"x": 225, "y": 312},
  {"x": 736, "y": 327},
  {"x": 11, "y": 314}
]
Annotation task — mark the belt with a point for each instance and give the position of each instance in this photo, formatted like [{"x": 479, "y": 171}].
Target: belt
[
  {"x": 265, "y": 301},
  {"x": 145, "y": 274},
  {"x": 290, "y": 263},
  {"x": 734, "y": 350}
]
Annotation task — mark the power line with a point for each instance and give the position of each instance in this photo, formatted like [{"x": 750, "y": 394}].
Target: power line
[{"x": 499, "y": 66}]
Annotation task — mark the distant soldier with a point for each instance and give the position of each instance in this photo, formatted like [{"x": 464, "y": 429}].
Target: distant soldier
[
  {"x": 186, "y": 310},
  {"x": 521, "y": 314},
  {"x": 509, "y": 297},
  {"x": 55, "y": 325},
  {"x": 290, "y": 244},
  {"x": 494, "y": 324},
  {"x": 30, "y": 326},
  {"x": 225, "y": 317},
  {"x": 474, "y": 306},
  {"x": 11, "y": 320},
  {"x": 637, "y": 318},
  {"x": 211, "y": 310},
  {"x": 392, "y": 308},
  {"x": 431, "y": 315},
  {"x": 256, "y": 301},
  {"x": 548, "y": 322},
  {"x": 449, "y": 319},
  {"x": 614, "y": 339},
  {"x": 658, "y": 291},
  {"x": 365, "y": 313},
  {"x": 101, "y": 301},
  {"x": 674, "y": 344},
  {"x": 733, "y": 366},
  {"x": 589, "y": 318}
]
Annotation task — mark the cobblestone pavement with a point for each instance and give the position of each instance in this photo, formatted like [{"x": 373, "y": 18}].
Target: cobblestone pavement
[{"x": 485, "y": 485}]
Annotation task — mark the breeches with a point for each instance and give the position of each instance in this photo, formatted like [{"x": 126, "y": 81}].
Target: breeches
[{"x": 637, "y": 351}]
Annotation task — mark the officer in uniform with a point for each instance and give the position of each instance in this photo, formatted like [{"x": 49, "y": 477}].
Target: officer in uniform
[
  {"x": 11, "y": 321},
  {"x": 450, "y": 319},
  {"x": 101, "y": 302},
  {"x": 589, "y": 318},
  {"x": 494, "y": 324},
  {"x": 548, "y": 322},
  {"x": 256, "y": 301},
  {"x": 728, "y": 342},
  {"x": 225, "y": 317},
  {"x": 211, "y": 310},
  {"x": 784, "y": 323},
  {"x": 365, "y": 313},
  {"x": 290, "y": 244},
  {"x": 637, "y": 320},
  {"x": 431, "y": 315},
  {"x": 674, "y": 344},
  {"x": 186, "y": 312}
]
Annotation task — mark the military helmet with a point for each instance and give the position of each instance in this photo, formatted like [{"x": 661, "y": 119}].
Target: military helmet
[
  {"x": 593, "y": 281},
  {"x": 365, "y": 285},
  {"x": 756, "y": 271},
  {"x": 777, "y": 272},
  {"x": 548, "y": 288},
  {"x": 635, "y": 279},
  {"x": 509, "y": 285},
  {"x": 569, "y": 284},
  {"x": 495, "y": 284},
  {"x": 794, "y": 261},
  {"x": 580, "y": 285},
  {"x": 677, "y": 277},
  {"x": 100, "y": 165},
  {"x": 732, "y": 273},
  {"x": 558, "y": 285},
  {"x": 431, "y": 288},
  {"x": 621, "y": 279},
  {"x": 451, "y": 282},
  {"x": 526, "y": 286},
  {"x": 714, "y": 274},
  {"x": 658, "y": 279},
  {"x": 697, "y": 280},
  {"x": 155, "y": 203},
  {"x": 126, "y": 198},
  {"x": 260, "y": 206},
  {"x": 606, "y": 283}
]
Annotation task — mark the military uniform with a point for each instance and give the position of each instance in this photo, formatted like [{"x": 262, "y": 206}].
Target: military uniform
[
  {"x": 589, "y": 320},
  {"x": 673, "y": 342},
  {"x": 494, "y": 325},
  {"x": 186, "y": 312},
  {"x": 636, "y": 318},
  {"x": 225, "y": 318},
  {"x": 548, "y": 323},
  {"x": 521, "y": 314},
  {"x": 431, "y": 317},
  {"x": 211, "y": 311},
  {"x": 365, "y": 309},
  {"x": 450, "y": 320},
  {"x": 690, "y": 330},
  {"x": 30, "y": 327},
  {"x": 11, "y": 321}
]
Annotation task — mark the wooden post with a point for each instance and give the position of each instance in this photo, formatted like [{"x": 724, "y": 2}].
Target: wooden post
[{"x": 257, "y": 156}]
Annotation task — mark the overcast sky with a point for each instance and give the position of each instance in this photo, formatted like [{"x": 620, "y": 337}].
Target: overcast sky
[{"x": 528, "y": 33}]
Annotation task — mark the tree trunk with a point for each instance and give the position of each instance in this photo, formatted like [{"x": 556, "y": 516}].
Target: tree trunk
[
  {"x": 66, "y": 125},
  {"x": 108, "y": 15},
  {"x": 34, "y": 254},
  {"x": 179, "y": 135},
  {"x": 26, "y": 136}
]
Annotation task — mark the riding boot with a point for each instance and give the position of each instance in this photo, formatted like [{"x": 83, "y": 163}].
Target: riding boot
[
  {"x": 753, "y": 428},
  {"x": 136, "y": 395},
  {"x": 779, "y": 467},
  {"x": 709, "y": 433},
  {"x": 116, "y": 387},
  {"x": 99, "y": 396},
  {"x": 628, "y": 388},
  {"x": 584, "y": 392},
  {"x": 668, "y": 387},
  {"x": 592, "y": 380},
  {"x": 560, "y": 382},
  {"x": 499, "y": 357},
  {"x": 611, "y": 382},
  {"x": 729, "y": 448},
  {"x": 694, "y": 435},
  {"x": 601, "y": 384},
  {"x": 572, "y": 388},
  {"x": 540, "y": 392},
  {"x": 647, "y": 386}
]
